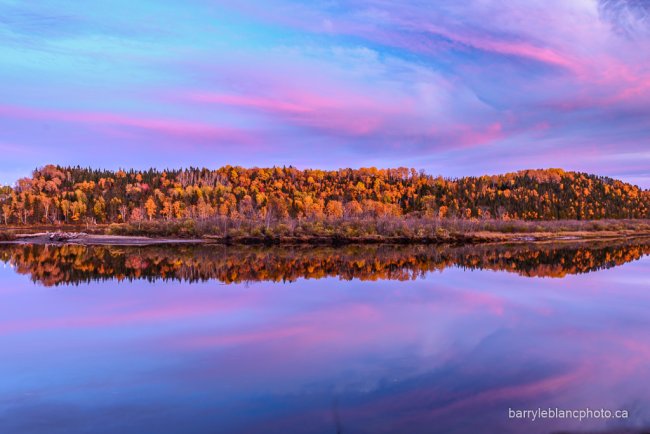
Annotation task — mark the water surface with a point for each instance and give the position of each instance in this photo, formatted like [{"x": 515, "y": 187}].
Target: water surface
[{"x": 375, "y": 339}]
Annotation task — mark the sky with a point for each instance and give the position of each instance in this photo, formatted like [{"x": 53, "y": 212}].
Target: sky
[{"x": 454, "y": 88}]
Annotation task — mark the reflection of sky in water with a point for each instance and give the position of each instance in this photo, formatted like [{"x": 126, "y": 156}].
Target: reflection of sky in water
[{"x": 449, "y": 353}]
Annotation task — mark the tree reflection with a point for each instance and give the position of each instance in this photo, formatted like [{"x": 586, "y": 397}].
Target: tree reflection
[{"x": 52, "y": 265}]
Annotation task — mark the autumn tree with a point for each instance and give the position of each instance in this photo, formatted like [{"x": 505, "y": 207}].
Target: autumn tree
[
  {"x": 72, "y": 194},
  {"x": 151, "y": 207},
  {"x": 6, "y": 213},
  {"x": 99, "y": 209},
  {"x": 334, "y": 209}
]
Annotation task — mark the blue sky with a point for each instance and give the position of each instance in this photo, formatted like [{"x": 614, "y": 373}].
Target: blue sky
[{"x": 455, "y": 88}]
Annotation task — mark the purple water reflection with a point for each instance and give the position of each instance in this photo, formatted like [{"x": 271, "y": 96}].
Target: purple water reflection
[{"x": 449, "y": 353}]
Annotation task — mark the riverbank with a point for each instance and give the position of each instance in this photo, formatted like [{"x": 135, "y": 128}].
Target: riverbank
[
  {"x": 393, "y": 230},
  {"x": 93, "y": 239},
  {"x": 480, "y": 237}
]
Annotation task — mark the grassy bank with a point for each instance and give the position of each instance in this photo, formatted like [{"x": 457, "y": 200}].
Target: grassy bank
[
  {"x": 381, "y": 227},
  {"x": 386, "y": 230},
  {"x": 363, "y": 231}
]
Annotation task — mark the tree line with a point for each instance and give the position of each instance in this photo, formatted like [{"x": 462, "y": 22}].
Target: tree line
[{"x": 55, "y": 194}]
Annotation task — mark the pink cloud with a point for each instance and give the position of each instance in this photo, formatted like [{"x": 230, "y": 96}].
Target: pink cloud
[
  {"x": 542, "y": 54},
  {"x": 469, "y": 136},
  {"x": 346, "y": 114},
  {"x": 173, "y": 127},
  {"x": 337, "y": 111},
  {"x": 404, "y": 27},
  {"x": 258, "y": 103}
]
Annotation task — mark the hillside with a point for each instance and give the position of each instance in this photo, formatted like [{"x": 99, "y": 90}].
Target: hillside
[{"x": 77, "y": 195}]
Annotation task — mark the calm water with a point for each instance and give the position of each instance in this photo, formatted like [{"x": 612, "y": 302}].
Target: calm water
[{"x": 355, "y": 340}]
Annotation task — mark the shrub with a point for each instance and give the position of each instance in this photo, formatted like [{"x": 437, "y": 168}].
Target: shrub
[{"x": 7, "y": 236}]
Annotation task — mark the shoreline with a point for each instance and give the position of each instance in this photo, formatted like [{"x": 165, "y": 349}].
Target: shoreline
[{"x": 469, "y": 238}]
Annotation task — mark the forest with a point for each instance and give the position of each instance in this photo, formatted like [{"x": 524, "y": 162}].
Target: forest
[{"x": 56, "y": 195}]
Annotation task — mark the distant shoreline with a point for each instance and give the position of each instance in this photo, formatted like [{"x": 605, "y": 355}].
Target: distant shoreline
[{"x": 81, "y": 238}]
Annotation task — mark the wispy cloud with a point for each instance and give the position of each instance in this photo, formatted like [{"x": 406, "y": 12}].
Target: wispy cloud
[
  {"x": 173, "y": 127},
  {"x": 325, "y": 84}
]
